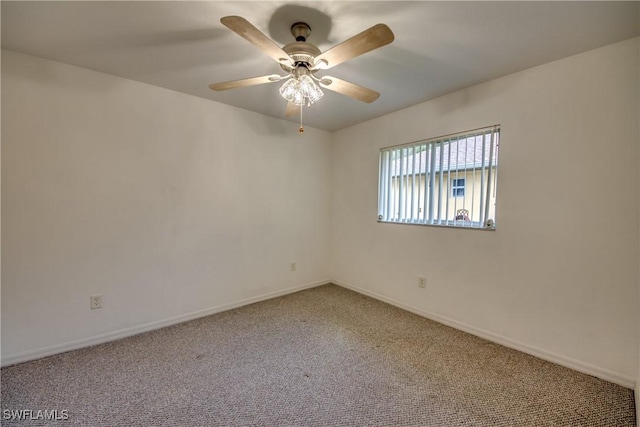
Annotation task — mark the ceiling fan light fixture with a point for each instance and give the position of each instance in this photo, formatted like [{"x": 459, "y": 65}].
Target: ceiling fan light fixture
[
  {"x": 290, "y": 89},
  {"x": 301, "y": 89},
  {"x": 310, "y": 89},
  {"x": 298, "y": 98}
]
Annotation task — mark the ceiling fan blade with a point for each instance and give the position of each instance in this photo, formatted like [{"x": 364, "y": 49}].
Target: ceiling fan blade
[
  {"x": 368, "y": 40},
  {"x": 349, "y": 89},
  {"x": 292, "y": 110},
  {"x": 245, "y": 82},
  {"x": 246, "y": 30}
]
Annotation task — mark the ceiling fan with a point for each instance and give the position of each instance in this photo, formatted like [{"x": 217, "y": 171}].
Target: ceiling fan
[{"x": 301, "y": 61}]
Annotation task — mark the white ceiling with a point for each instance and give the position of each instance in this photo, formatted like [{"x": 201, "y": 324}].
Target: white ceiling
[{"x": 439, "y": 47}]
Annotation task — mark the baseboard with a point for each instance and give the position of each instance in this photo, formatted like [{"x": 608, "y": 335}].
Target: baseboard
[
  {"x": 38, "y": 353},
  {"x": 636, "y": 395},
  {"x": 568, "y": 362}
]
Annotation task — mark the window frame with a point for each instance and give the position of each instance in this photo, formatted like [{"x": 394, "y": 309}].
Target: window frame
[
  {"x": 456, "y": 187},
  {"x": 411, "y": 188}
]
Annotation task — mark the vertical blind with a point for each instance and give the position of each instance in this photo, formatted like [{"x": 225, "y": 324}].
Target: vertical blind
[{"x": 447, "y": 181}]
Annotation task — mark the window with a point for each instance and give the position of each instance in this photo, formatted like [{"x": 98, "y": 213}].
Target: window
[
  {"x": 445, "y": 181},
  {"x": 457, "y": 187}
]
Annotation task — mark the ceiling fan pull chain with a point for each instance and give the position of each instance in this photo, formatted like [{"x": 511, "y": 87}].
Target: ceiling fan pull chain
[{"x": 301, "y": 128}]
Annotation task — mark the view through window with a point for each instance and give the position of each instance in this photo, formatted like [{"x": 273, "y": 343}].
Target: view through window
[{"x": 445, "y": 181}]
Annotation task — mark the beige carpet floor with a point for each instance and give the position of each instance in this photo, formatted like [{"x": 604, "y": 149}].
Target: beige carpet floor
[{"x": 320, "y": 357}]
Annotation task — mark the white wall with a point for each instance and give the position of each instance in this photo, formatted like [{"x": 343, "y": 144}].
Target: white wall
[
  {"x": 167, "y": 204},
  {"x": 172, "y": 206},
  {"x": 560, "y": 282}
]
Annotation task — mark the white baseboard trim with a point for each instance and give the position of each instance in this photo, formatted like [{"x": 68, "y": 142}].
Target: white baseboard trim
[
  {"x": 25, "y": 356},
  {"x": 636, "y": 395},
  {"x": 577, "y": 365}
]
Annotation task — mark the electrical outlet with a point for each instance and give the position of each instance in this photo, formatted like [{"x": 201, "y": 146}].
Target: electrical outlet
[
  {"x": 292, "y": 266},
  {"x": 422, "y": 282},
  {"x": 95, "y": 301}
]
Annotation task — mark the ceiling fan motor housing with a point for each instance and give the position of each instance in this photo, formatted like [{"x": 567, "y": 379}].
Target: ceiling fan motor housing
[{"x": 302, "y": 53}]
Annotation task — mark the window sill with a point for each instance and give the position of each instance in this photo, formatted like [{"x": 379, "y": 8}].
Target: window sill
[{"x": 462, "y": 225}]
